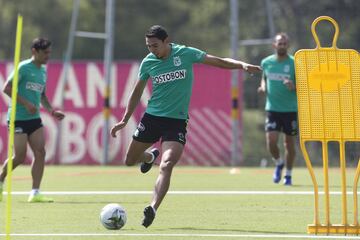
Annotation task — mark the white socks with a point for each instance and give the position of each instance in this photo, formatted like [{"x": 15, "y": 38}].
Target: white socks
[
  {"x": 153, "y": 209},
  {"x": 278, "y": 161},
  {"x": 152, "y": 158},
  {"x": 34, "y": 192}
]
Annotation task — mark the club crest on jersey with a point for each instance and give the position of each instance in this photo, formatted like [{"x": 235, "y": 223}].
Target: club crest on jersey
[
  {"x": 177, "y": 61},
  {"x": 287, "y": 68}
]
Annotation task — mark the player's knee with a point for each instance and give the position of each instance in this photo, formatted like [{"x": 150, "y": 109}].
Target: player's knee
[
  {"x": 167, "y": 166},
  {"x": 291, "y": 151},
  {"x": 39, "y": 153},
  {"x": 289, "y": 147},
  {"x": 271, "y": 145}
]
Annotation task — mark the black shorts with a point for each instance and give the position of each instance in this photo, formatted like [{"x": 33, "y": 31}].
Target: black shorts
[
  {"x": 285, "y": 122},
  {"x": 27, "y": 126},
  {"x": 151, "y": 128}
]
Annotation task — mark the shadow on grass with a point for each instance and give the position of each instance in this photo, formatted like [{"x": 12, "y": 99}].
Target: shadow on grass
[
  {"x": 79, "y": 202},
  {"x": 333, "y": 187},
  {"x": 223, "y": 231},
  {"x": 95, "y": 202}
]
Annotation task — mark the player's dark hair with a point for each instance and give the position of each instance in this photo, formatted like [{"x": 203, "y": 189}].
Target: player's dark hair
[
  {"x": 40, "y": 44},
  {"x": 157, "y": 31}
]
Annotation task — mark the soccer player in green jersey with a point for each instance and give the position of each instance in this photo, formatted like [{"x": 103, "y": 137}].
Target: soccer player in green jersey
[
  {"x": 170, "y": 67},
  {"x": 28, "y": 126},
  {"x": 278, "y": 82}
]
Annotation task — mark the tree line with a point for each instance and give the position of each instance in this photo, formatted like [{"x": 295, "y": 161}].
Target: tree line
[{"x": 200, "y": 23}]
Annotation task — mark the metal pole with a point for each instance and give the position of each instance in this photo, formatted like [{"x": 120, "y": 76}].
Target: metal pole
[
  {"x": 67, "y": 59},
  {"x": 270, "y": 18},
  {"x": 236, "y": 154},
  {"x": 108, "y": 59}
]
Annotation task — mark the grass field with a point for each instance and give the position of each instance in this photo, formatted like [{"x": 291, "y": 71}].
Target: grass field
[{"x": 203, "y": 203}]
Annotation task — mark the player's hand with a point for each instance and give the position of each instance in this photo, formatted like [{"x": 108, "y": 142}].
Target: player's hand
[
  {"x": 251, "y": 68},
  {"x": 31, "y": 108},
  {"x": 289, "y": 84},
  {"x": 117, "y": 127},
  {"x": 58, "y": 115}
]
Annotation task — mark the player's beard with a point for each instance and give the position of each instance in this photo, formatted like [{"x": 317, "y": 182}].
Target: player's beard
[{"x": 281, "y": 52}]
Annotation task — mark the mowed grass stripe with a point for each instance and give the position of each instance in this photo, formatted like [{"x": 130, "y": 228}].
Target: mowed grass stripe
[
  {"x": 179, "y": 193},
  {"x": 203, "y": 203},
  {"x": 267, "y": 236}
]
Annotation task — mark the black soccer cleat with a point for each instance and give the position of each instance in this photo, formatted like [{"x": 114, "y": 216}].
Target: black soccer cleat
[
  {"x": 145, "y": 167},
  {"x": 149, "y": 215}
]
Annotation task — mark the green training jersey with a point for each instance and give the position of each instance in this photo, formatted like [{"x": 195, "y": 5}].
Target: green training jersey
[
  {"x": 279, "y": 98},
  {"x": 31, "y": 85},
  {"x": 172, "y": 80}
]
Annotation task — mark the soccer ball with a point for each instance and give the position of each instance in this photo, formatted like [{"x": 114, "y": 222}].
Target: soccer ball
[{"x": 113, "y": 216}]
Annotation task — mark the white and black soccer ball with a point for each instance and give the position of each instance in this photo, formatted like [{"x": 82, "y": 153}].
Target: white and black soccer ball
[{"x": 113, "y": 216}]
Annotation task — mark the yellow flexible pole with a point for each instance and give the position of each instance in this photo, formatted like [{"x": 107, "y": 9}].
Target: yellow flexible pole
[
  {"x": 313, "y": 178},
  {"x": 343, "y": 183},
  {"x": 355, "y": 186},
  {"x": 12, "y": 123},
  {"x": 326, "y": 181}
]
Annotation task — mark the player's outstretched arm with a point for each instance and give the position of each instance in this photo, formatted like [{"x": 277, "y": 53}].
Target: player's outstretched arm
[
  {"x": 132, "y": 103},
  {"x": 230, "y": 63}
]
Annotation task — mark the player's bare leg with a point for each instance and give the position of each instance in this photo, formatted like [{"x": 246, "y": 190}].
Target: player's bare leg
[
  {"x": 272, "y": 145},
  {"x": 20, "y": 144},
  {"x": 37, "y": 144},
  {"x": 136, "y": 153},
  {"x": 171, "y": 153},
  {"x": 289, "y": 145}
]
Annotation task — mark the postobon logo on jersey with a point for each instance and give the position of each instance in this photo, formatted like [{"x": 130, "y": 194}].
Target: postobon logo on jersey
[
  {"x": 35, "y": 87},
  {"x": 170, "y": 76}
]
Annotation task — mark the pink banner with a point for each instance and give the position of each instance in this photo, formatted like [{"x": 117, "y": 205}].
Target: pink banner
[{"x": 209, "y": 132}]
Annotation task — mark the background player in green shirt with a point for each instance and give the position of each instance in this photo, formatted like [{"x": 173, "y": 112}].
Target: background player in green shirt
[
  {"x": 278, "y": 83},
  {"x": 170, "y": 67},
  {"x": 28, "y": 125}
]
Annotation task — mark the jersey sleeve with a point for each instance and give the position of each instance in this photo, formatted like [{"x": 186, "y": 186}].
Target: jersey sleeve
[
  {"x": 197, "y": 55},
  {"x": 20, "y": 74},
  {"x": 293, "y": 69},
  {"x": 143, "y": 72},
  {"x": 262, "y": 64},
  {"x": 45, "y": 73}
]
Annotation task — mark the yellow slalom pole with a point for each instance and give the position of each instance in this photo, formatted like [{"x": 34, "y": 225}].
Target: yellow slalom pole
[
  {"x": 344, "y": 220},
  {"x": 355, "y": 186},
  {"x": 12, "y": 123},
  {"x": 326, "y": 183}
]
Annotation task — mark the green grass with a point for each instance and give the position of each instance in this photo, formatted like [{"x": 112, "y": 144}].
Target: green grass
[{"x": 179, "y": 214}]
